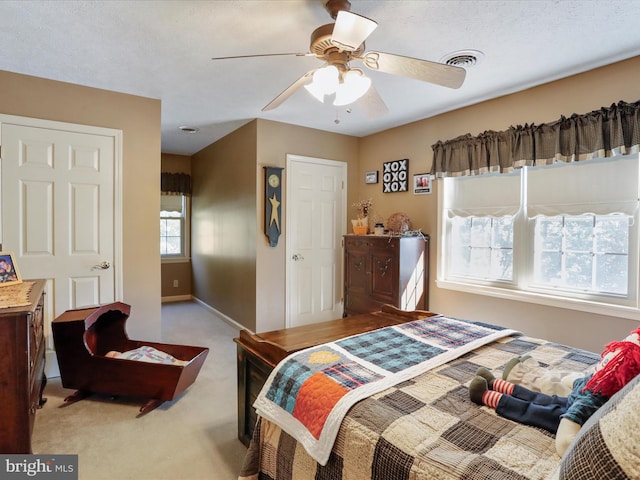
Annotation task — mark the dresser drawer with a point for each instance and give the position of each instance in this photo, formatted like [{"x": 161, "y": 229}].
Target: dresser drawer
[
  {"x": 37, "y": 385},
  {"x": 37, "y": 369},
  {"x": 36, "y": 333}
]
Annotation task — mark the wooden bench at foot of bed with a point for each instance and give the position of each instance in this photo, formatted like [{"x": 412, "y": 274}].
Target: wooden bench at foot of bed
[{"x": 258, "y": 354}]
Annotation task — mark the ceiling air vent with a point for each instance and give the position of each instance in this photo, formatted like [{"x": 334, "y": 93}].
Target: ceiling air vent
[{"x": 463, "y": 58}]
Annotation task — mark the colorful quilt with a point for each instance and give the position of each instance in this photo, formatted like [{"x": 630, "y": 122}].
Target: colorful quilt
[
  {"x": 427, "y": 428},
  {"x": 309, "y": 392}
]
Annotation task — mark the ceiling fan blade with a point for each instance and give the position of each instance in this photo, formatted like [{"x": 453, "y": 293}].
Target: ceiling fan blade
[
  {"x": 309, "y": 54},
  {"x": 351, "y": 30},
  {"x": 432, "y": 72},
  {"x": 290, "y": 90},
  {"x": 372, "y": 104}
]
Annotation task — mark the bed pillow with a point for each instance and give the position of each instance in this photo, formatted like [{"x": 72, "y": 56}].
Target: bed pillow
[{"x": 608, "y": 444}]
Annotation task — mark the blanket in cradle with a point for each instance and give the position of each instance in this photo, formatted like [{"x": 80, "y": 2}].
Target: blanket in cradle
[
  {"x": 310, "y": 392},
  {"x": 147, "y": 354}
]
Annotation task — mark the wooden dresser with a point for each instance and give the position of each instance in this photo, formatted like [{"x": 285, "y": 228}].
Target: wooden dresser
[
  {"x": 258, "y": 354},
  {"x": 382, "y": 269},
  {"x": 22, "y": 378}
]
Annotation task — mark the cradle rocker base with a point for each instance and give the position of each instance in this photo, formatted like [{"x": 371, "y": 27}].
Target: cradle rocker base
[
  {"x": 81, "y": 394},
  {"x": 82, "y": 339}
]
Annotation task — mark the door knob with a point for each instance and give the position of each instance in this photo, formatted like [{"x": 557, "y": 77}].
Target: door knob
[
  {"x": 102, "y": 266},
  {"x": 297, "y": 257}
]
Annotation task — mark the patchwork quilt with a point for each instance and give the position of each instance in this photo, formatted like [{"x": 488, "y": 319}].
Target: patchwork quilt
[
  {"x": 426, "y": 428},
  {"x": 309, "y": 393}
]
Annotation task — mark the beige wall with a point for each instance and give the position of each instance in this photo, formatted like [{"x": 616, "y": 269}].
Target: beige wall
[
  {"x": 223, "y": 226},
  {"x": 139, "y": 119},
  {"x": 579, "y": 94},
  {"x": 172, "y": 271},
  {"x": 172, "y": 163},
  {"x": 179, "y": 272}
]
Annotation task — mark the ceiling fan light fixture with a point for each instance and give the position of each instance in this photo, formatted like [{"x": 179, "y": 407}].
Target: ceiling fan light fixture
[
  {"x": 354, "y": 85},
  {"x": 351, "y": 30},
  {"x": 325, "y": 81}
]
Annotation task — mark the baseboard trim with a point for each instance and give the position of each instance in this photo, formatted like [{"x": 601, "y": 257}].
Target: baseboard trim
[
  {"x": 176, "y": 298},
  {"x": 225, "y": 318}
]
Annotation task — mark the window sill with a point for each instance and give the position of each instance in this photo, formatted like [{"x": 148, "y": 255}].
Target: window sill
[
  {"x": 175, "y": 259},
  {"x": 600, "y": 308}
]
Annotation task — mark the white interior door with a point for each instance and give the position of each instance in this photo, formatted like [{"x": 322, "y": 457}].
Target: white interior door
[
  {"x": 58, "y": 215},
  {"x": 316, "y": 197}
]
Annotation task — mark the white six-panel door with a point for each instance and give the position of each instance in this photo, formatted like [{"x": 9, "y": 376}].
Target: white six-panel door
[
  {"x": 58, "y": 209},
  {"x": 316, "y": 199}
]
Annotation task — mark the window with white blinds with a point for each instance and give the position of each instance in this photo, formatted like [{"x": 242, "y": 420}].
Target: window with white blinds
[
  {"x": 567, "y": 231},
  {"x": 173, "y": 226}
]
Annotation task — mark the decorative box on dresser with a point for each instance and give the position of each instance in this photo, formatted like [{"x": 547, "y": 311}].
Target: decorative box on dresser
[
  {"x": 22, "y": 378},
  {"x": 384, "y": 269}
]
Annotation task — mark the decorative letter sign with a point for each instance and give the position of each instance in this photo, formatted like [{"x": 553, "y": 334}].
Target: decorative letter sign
[{"x": 395, "y": 176}]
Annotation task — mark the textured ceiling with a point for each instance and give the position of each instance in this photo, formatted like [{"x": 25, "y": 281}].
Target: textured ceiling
[{"x": 163, "y": 49}]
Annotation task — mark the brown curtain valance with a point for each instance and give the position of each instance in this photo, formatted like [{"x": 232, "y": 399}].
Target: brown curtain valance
[
  {"x": 175, "y": 183},
  {"x": 602, "y": 133}
]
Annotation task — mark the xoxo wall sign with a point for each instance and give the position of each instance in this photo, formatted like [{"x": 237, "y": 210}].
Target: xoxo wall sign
[{"x": 395, "y": 176}]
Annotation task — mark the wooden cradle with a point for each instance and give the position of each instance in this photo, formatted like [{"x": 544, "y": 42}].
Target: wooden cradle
[{"x": 83, "y": 337}]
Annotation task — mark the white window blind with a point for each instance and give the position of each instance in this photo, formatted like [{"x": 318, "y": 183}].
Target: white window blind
[
  {"x": 170, "y": 203},
  {"x": 600, "y": 187},
  {"x": 483, "y": 195}
]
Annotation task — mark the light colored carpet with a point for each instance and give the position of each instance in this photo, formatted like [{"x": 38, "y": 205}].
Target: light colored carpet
[{"x": 194, "y": 437}]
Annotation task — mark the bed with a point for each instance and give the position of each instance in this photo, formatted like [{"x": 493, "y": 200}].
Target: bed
[
  {"x": 424, "y": 426},
  {"x": 85, "y": 339}
]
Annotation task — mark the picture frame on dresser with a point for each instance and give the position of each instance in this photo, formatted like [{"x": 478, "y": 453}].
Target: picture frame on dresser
[{"x": 9, "y": 272}]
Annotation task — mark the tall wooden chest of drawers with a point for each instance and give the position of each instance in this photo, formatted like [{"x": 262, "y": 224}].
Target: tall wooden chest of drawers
[
  {"x": 22, "y": 378},
  {"x": 382, "y": 269}
]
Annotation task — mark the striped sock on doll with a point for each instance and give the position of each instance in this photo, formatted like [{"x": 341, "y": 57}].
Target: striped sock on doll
[
  {"x": 503, "y": 386},
  {"x": 490, "y": 398}
]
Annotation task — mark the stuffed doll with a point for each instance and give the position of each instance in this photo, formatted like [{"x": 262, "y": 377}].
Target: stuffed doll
[
  {"x": 526, "y": 371},
  {"x": 563, "y": 416}
]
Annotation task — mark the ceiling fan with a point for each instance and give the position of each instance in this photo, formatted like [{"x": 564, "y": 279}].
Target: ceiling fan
[{"x": 340, "y": 43}]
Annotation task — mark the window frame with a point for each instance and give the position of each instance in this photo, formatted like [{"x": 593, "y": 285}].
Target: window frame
[{"x": 522, "y": 287}]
